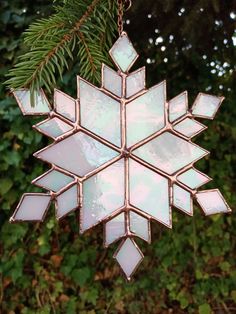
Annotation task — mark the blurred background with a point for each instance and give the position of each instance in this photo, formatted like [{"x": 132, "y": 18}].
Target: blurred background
[{"x": 50, "y": 268}]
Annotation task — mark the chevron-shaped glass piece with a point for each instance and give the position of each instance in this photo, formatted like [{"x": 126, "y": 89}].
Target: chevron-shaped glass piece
[{"x": 122, "y": 155}]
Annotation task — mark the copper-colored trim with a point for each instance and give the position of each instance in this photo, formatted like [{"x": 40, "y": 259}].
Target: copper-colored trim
[
  {"x": 212, "y": 190},
  {"x": 105, "y": 244},
  {"x": 221, "y": 98},
  {"x": 115, "y": 44},
  {"x": 44, "y": 175},
  {"x": 36, "y": 127},
  {"x": 12, "y": 219},
  {"x": 199, "y": 185},
  {"x": 71, "y": 210},
  {"x": 140, "y": 252},
  {"x": 33, "y": 113},
  {"x": 136, "y": 94},
  {"x": 180, "y": 208},
  {"x": 57, "y": 91},
  {"x": 185, "y": 93},
  {"x": 204, "y": 127}
]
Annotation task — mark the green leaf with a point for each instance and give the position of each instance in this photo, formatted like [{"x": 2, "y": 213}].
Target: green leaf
[{"x": 204, "y": 309}]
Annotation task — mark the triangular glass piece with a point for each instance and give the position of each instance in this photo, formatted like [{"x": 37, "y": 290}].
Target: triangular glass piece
[
  {"x": 53, "y": 180},
  {"x": 111, "y": 81},
  {"x": 178, "y": 106},
  {"x": 103, "y": 193},
  {"x": 149, "y": 192},
  {"x": 65, "y": 105},
  {"x": 182, "y": 200},
  {"x": 145, "y": 114},
  {"x": 129, "y": 256},
  {"x": 140, "y": 226},
  {"x": 123, "y": 53},
  {"x": 135, "y": 82},
  {"x": 206, "y": 106},
  {"x": 189, "y": 127},
  {"x": 67, "y": 201},
  {"x": 212, "y": 202},
  {"x": 169, "y": 152},
  {"x": 114, "y": 229},
  {"x": 78, "y": 154},
  {"x": 99, "y": 112},
  {"x": 32, "y": 207},
  {"x": 40, "y": 106},
  {"x": 193, "y": 178},
  {"x": 53, "y": 128}
]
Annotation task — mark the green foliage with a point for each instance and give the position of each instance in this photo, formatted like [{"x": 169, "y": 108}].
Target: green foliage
[
  {"x": 78, "y": 29},
  {"x": 50, "y": 267}
]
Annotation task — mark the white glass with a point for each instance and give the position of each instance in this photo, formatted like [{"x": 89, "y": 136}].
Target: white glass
[
  {"x": 206, "y": 105},
  {"x": 182, "y": 199},
  {"x": 212, "y": 202},
  {"x": 54, "y": 127},
  {"x": 65, "y": 105},
  {"x": 145, "y": 114},
  {"x": 193, "y": 178},
  {"x": 53, "y": 180},
  {"x": 149, "y": 192},
  {"x": 178, "y": 106},
  {"x": 67, "y": 202},
  {"x": 129, "y": 257},
  {"x": 40, "y": 105},
  {"x": 99, "y": 113},
  {"x": 123, "y": 53},
  {"x": 189, "y": 127},
  {"x": 135, "y": 82},
  {"x": 112, "y": 81},
  {"x": 169, "y": 152},
  {"x": 115, "y": 229},
  {"x": 32, "y": 207},
  {"x": 103, "y": 193},
  {"x": 79, "y": 154},
  {"x": 140, "y": 226}
]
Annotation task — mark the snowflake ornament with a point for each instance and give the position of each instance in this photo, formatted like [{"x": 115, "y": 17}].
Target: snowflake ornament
[{"x": 121, "y": 154}]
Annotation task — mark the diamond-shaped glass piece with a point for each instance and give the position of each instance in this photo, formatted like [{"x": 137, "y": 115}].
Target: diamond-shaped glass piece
[
  {"x": 53, "y": 180},
  {"x": 123, "y": 53},
  {"x": 178, "y": 106},
  {"x": 53, "y": 128},
  {"x": 114, "y": 229},
  {"x": 32, "y": 207},
  {"x": 140, "y": 226},
  {"x": 193, "y": 178},
  {"x": 129, "y": 257},
  {"x": 99, "y": 113},
  {"x": 65, "y": 105},
  {"x": 189, "y": 127},
  {"x": 182, "y": 200},
  {"x": 103, "y": 193},
  {"x": 67, "y": 201},
  {"x": 40, "y": 106},
  {"x": 149, "y": 192},
  {"x": 78, "y": 154},
  {"x": 145, "y": 114},
  {"x": 212, "y": 202},
  {"x": 169, "y": 153},
  {"x": 135, "y": 82},
  {"x": 111, "y": 81},
  {"x": 206, "y": 106}
]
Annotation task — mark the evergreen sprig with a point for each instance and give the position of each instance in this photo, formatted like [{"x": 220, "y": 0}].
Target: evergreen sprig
[{"x": 81, "y": 29}]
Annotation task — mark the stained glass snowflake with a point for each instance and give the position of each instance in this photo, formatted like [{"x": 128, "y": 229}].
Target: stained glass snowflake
[{"x": 121, "y": 154}]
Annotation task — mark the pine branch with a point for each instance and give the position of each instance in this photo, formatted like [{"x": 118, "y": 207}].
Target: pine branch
[{"x": 76, "y": 29}]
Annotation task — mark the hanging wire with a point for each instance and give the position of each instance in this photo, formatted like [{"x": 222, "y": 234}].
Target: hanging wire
[{"x": 123, "y": 5}]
